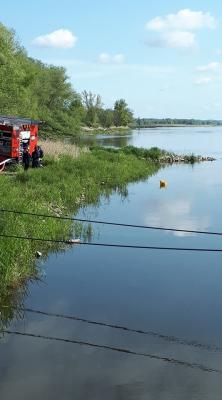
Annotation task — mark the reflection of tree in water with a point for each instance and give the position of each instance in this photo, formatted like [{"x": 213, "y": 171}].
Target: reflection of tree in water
[
  {"x": 11, "y": 304},
  {"x": 113, "y": 140},
  {"x": 12, "y": 298}
]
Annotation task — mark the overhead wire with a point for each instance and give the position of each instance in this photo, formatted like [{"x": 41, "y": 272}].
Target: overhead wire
[
  {"x": 111, "y": 223},
  {"x": 117, "y": 349},
  {"x": 168, "y": 338},
  {"x": 152, "y": 333},
  {"x": 116, "y": 245}
]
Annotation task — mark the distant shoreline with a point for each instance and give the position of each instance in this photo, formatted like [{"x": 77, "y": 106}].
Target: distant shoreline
[
  {"x": 177, "y": 126},
  {"x": 123, "y": 129}
]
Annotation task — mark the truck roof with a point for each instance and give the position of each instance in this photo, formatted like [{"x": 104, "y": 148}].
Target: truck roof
[{"x": 12, "y": 120}]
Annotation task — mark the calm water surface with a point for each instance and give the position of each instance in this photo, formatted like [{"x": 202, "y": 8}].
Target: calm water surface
[
  {"x": 178, "y": 294},
  {"x": 199, "y": 140}
]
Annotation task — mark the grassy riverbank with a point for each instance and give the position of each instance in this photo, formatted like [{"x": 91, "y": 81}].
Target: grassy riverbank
[
  {"x": 60, "y": 188},
  {"x": 156, "y": 155}
]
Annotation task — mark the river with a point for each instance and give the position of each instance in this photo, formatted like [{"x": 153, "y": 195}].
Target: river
[{"x": 175, "y": 294}]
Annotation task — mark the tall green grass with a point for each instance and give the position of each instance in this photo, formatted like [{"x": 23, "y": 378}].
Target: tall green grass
[
  {"x": 153, "y": 154},
  {"x": 60, "y": 188}
]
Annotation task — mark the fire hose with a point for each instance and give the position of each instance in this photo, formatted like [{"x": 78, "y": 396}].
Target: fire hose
[{"x": 2, "y": 164}]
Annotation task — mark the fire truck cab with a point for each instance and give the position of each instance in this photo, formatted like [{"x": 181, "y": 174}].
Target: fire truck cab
[{"x": 15, "y": 135}]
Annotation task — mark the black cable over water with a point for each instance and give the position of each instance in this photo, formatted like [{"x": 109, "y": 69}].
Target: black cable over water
[
  {"x": 124, "y": 246},
  {"x": 111, "y": 223},
  {"x": 168, "y": 338},
  {"x": 119, "y": 350}
]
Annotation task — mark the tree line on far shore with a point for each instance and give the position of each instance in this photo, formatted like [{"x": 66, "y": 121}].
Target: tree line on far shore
[
  {"x": 33, "y": 89},
  {"x": 155, "y": 122}
]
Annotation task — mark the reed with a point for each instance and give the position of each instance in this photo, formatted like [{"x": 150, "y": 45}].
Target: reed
[{"x": 58, "y": 148}]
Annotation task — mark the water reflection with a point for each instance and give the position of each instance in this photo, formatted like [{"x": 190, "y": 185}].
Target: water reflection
[
  {"x": 177, "y": 213},
  {"x": 174, "y": 294},
  {"x": 12, "y": 298},
  {"x": 11, "y": 302},
  {"x": 106, "y": 140},
  {"x": 181, "y": 140}
]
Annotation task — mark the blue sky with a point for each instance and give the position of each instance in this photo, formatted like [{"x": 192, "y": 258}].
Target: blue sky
[{"x": 163, "y": 57}]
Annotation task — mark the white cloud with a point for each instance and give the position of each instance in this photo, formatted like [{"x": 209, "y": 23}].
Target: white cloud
[
  {"x": 175, "y": 39},
  {"x": 203, "y": 80},
  {"x": 106, "y": 58},
  {"x": 212, "y": 67},
  {"x": 61, "y": 38},
  {"x": 177, "y": 30},
  {"x": 118, "y": 58},
  {"x": 185, "y": 19}
]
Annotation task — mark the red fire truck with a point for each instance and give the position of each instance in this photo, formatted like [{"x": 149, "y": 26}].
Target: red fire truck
[{"x": 16, "y": 134}]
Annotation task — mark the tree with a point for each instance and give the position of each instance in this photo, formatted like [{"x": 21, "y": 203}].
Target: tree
[
  {"x": 12, "y": 98},
  {"x": 122, "y": 114},
  {"x": 93, "y": 104},
  {"x": 106, "y": 118},
  {"x": 31, "y": 88}
]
